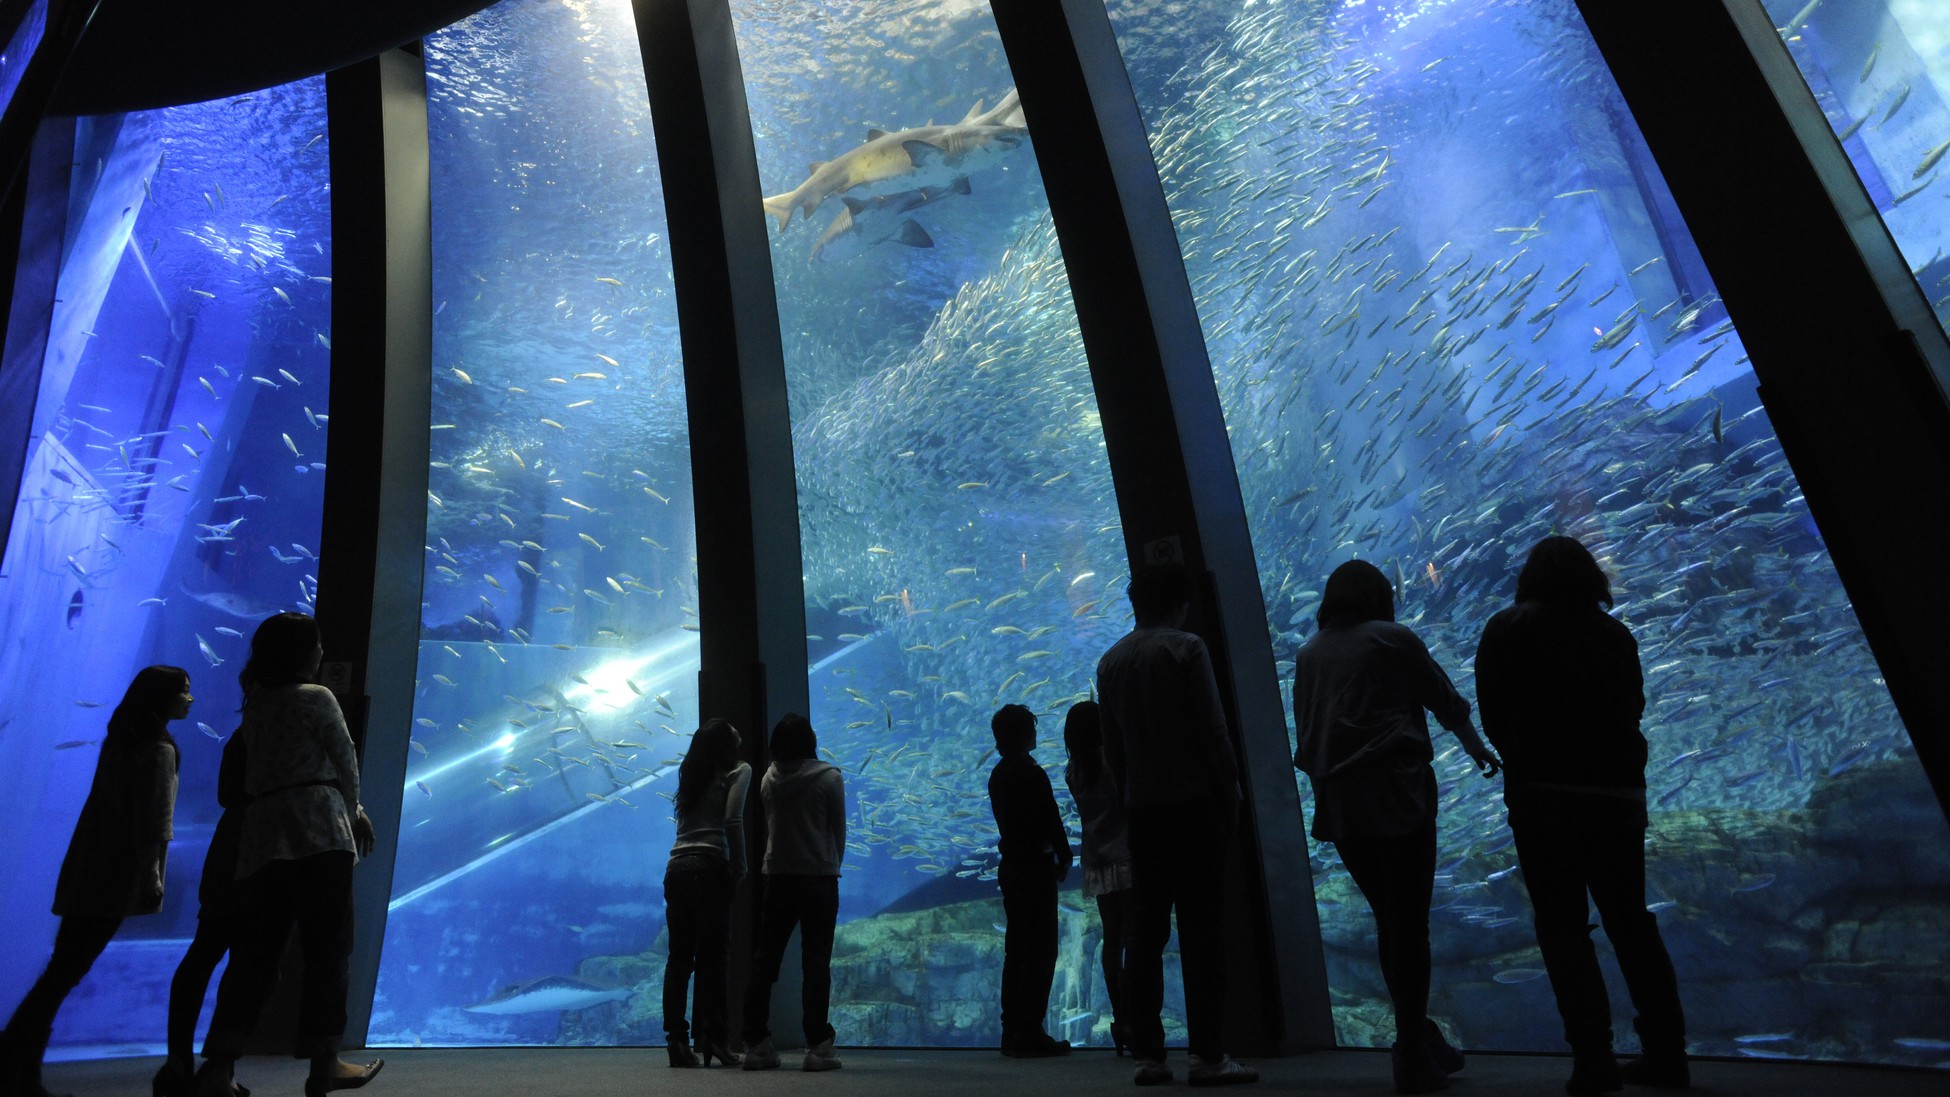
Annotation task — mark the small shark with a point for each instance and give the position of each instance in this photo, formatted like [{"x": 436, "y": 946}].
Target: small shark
[
  {"x": 909, "y": 160},
  {"x": 550, "y": 992},
  {"x": 231, "y": 602},
  {"x": 866, "y": 222}
]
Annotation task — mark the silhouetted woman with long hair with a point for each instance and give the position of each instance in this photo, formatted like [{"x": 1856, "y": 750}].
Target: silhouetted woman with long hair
[
  {"x": 303, "y": 832},
  {"x": 115, "y": 863},
  {"x": 1360, "y": 690},
  {"x": 1105, "y": 849},
  {"x": 706, "y": 861},
  {"x": 1561, "y": 691}
]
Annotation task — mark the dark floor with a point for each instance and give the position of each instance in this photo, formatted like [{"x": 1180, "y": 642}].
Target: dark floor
[{"x": 613, "y": 1072}]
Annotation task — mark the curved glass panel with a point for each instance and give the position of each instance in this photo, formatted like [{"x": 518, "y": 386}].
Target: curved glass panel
[
  {"x": 962, "y": 547},
  {"x": 1881, "y": 71},
  {"x": 1452, "y": 309},
  {"x": 171, "y": 495},
  {"x": 24, "y": 39},
  {"x": 558, "y": 645}
]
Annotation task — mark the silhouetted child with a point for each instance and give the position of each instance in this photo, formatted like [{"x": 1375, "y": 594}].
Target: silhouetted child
[{"x": 1035, "y": 858}]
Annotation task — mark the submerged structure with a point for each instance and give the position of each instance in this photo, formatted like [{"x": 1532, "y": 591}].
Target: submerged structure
[{"x": 701, "y": 358}]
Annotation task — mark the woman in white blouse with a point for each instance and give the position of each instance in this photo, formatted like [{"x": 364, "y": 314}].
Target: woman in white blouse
[{"x": 302, "y": 833}]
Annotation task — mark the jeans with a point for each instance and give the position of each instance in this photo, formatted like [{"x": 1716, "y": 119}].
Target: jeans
[
  {"x": 1028, "y": 946},
  {"x": 1397, "y": 874},
  {"x": 78, "y": 943},
  {"x": 697, "y": 908},
  {"x": 215, "y": 933},
  {"x": 1178, "y": 862},
  {"x": 314, "y": 894},
  {"x": 1570, "y": 845},
  {"x": 811, "y": 903}
]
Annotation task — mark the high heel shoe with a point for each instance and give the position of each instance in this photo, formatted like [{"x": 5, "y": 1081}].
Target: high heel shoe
[
  {"x": 710, "y": 1048},
  {"x": 680, "y": 1052},
  {"x": 173, "y": 1083},
  {"x": 319, "y": 1087},
  {"x": 1120, "y": 1038}
]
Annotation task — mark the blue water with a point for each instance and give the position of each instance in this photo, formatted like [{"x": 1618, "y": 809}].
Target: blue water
[
  {"x": 162, "y": 511},
  {"x": 1450, "y": 308}
]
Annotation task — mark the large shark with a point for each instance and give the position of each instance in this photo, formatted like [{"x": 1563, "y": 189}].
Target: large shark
[
  {"x": 866, "y": 222},
  {"x": 551, "y": 992},
  {"x": 909, "y": 160}
]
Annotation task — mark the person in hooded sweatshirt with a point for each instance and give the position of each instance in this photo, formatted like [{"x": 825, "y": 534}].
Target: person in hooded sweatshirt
[
  {"x": 805, "y": 825},
  {"x": 1563, "y": 696},
  {"x": 1360, "y": 689}
]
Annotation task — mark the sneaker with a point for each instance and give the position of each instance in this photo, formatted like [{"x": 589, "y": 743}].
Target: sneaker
[
  {"x": 1442, "y": 1054},
  {"x": 762, "y": 1056},
  {"x": 1034, "y": 1045},
  {"x": 1657, "y": 1071},
  {"x": 1226, "y": 1072},
  {"x": 1152, "y": 1072},
  {"x": 1593, "y": 1075},
  {"x": 821, "y": 1056},
  {"x": 1414, "y": 1068}
]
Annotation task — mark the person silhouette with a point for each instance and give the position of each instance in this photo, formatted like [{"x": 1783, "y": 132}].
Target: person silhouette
[
  {"x": 1036, "y": 857},
  {"x": 1361, "y": 686},
  {"x": 219, "y": 924},
  {"x": 303, "y": 832},
  {"x": 1105, "y": 849},
  {"x": 706, "y": 861},
  {"x": 115, "y": 863},
  {"x": 1561, "y": 693},
  {"x": 1173, "y": 762},
  {"x": 805, "y": 841}
]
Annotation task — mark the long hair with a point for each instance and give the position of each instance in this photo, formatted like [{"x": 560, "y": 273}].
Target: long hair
[
  {"x": 281, "y": 652},
  {"x": 1357, "y": 591},
  {"x": 1561, "y": 571},
  {"x": 714, "y": 749},
  {"x": 143, "y": 711},
  {"x": 1083, "y": 740}
]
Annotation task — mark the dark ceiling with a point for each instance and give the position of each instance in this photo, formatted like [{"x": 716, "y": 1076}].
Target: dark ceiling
[{"x": 142, "y": 54}]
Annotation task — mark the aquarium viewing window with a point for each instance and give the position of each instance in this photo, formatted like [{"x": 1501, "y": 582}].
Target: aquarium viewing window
[
  {"x": 558, "y": 641},
  {"x": 1880, "y": 69},
  {"x": 961, "y": 542},
  {"x": 172, "y": 491},
  {"x": 1449, "y": 305},
  {"x": 1451, "y": 309},
  {"x": 25, "y": 37}
]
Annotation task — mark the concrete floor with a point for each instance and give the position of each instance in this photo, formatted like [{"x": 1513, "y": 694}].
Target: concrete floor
[{"x": 630, "y": 1072}]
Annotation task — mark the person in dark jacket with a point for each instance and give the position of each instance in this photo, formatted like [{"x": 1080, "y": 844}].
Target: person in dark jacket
[
  {"x": 706, "y": 861},
  {"x": 1561, "y": 692},
  {"x": 1360, "y": 689},
  {"x": 1105, "y": 849},
  {"x": 805, "y": 841},
  {"x": 1036, "y": 857},
  {"x": 218, "y": 926},
  {"x": 115, "y": 864}
]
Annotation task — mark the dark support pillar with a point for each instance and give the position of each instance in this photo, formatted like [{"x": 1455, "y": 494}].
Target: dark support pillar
[
  {"x": 370, "y": 553},
  {"x": 749, "y": 591},
  {"x": 1177, "y": 489},
  {"x": 67, "y": 21},
  {"x": 29, "y": 300},
  {"x": 1851, "y": 363}
]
